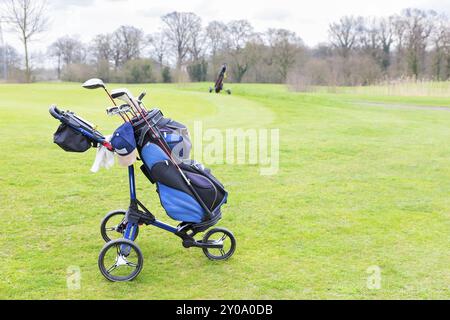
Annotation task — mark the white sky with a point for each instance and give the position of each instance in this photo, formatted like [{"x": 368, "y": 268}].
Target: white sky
[{"x": 309, "y": 19}]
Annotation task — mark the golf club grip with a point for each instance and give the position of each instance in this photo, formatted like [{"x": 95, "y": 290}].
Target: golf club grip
[{"x": 142, "y": 96}]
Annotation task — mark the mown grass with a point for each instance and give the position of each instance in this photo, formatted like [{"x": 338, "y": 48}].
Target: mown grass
[{"x": 358, "y": 186}]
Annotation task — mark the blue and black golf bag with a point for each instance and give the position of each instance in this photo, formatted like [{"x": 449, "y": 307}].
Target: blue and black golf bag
[{"x": 193, "y": 195}]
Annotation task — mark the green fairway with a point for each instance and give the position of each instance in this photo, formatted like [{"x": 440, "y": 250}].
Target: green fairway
[{"x": 364, "y": 181}]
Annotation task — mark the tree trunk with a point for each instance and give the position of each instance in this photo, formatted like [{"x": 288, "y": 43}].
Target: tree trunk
[
  {"x": 179, "y": 61},
  {"x": 27, "y": 61},
  {"x": 59, "y": 67},
  {"x": 386, "y": 60},
  {"x": 438, "y": 63},
  {"x": 241, "y": 71},
  {"x": 448, "y": 67}
]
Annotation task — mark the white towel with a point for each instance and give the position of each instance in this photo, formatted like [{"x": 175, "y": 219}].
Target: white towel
[{"x": 104, "y": 158}]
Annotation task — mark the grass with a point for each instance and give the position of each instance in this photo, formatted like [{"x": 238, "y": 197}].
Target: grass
[
  {"x": 404, "y": 88},
  {"x": 358, "y": 186}
]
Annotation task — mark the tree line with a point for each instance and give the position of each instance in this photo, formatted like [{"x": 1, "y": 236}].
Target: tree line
[
  {"x": 360, "y": 51},
  {"x": 414, "y": 44}
]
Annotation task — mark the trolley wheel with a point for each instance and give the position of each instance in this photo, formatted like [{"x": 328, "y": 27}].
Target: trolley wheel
[
  {"x": 229, "y": 91},
  {"x": 120, "y": 260},
  {"x": 219, "y": 235},
  {"x": 113, "y": 226},
  {"x": 211, "y": 90}
]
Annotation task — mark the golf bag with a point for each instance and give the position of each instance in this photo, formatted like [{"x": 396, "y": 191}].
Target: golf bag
[
  {"x": 219, "y": 82},
  {"x": 192, "y": 204}
]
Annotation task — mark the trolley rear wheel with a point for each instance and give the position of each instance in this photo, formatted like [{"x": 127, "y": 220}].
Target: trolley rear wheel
[{"x": 113, "y": 226}]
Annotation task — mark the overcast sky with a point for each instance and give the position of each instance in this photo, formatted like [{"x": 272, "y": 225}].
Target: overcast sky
[{"x": 309, "y": 19}]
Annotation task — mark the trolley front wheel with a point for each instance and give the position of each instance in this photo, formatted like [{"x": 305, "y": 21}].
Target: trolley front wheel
[
  {"x": 222, "y": 237},
  {"x": 120, "y": 260}
]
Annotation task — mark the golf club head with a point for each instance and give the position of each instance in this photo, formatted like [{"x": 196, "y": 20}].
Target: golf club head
[
  {"x": 112, "y": 111},
  {"x": 94, "y": 84},
  {"x": 123, "y": 94},
  {"x": 125, "y": 108}
]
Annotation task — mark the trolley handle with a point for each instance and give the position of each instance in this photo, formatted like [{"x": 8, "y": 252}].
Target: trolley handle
[
  {"x": 55, "y": 112},
  {"x": 93, "y": 134}
]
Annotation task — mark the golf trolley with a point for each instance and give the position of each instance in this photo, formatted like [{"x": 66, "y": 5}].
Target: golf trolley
[
  {"x": 181, "y": 184},
  {"x": 218, "y": 85}
]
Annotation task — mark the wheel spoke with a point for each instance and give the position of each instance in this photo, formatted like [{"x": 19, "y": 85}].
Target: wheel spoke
[
  {"x": 112, "y": 268},
  {"x": 224, "y": 238},
  {"x": 132, "y": 264},
  {"x": 222, "y": 252},
  {"x": 111, "y": 229}
]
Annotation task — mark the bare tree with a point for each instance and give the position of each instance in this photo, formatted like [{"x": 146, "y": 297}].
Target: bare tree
[
  {"x": 376, "y": 39},
  {"x": 386, "y": 27},
  {"x": 26, "y": 18},
  {"x": 102, "y": 52},
  {"x": 216, "y": 36},
  {"x": 344, "y": 34},
  {"x": 447, "y": 49},
  {"x": 10, "y": 55},
  {"x": 369, "y": 37},
  {"x": 127, "y": 44},
  {"x": 441, "y": 47},
  {"x": 3, "y": 54},
  {"x": 239, "y": 35},
  {"x": 67, "y": 50},
  {"x": 284, "y": 46},
  {"x": 102, "y": 48},
  {"x": 180, "y": 28},
  {"x": 158, "y": 47},
  {"x": 418, "y": 27},
  {"x": 197, "y": 45},
  {"x": 216, "y": 39}
]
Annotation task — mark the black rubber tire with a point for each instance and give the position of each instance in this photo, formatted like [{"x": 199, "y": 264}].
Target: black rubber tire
[
  {"x": 113, "y": 245},
  {"x": 227, "y": 254},
  {"x": 105, "y": 222},
  {"x": 229, "y": 92}
]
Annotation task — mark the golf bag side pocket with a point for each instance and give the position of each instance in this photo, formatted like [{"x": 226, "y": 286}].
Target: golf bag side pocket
[
  {"x": 70, "y": 140},
  {"x": 147, "y": 173},
  {"x": 177, "y": 198}
]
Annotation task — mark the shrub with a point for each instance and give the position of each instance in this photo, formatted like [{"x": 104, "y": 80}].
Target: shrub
[
  {"x": 198, "y": 71},
  {"x": 166, "y": 75},
  {"x": 138, "y": 71}
]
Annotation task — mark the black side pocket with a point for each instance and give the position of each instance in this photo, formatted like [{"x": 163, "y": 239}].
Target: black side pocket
[
  {"x": 70, "y": 140},
  {"x": 147, "y": 173}
]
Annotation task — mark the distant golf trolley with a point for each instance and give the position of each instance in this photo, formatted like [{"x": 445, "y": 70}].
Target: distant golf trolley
[{"x": 218, "y": 85}]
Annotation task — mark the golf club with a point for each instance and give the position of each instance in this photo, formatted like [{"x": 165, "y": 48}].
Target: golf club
[
  {"x": 95, "y": 84},
  {"x": 140, "y": 100},
  {"x": 113, "y": 111},
  {"x": 126, "y": 108},
  {"x": 126, "y": 96}
]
